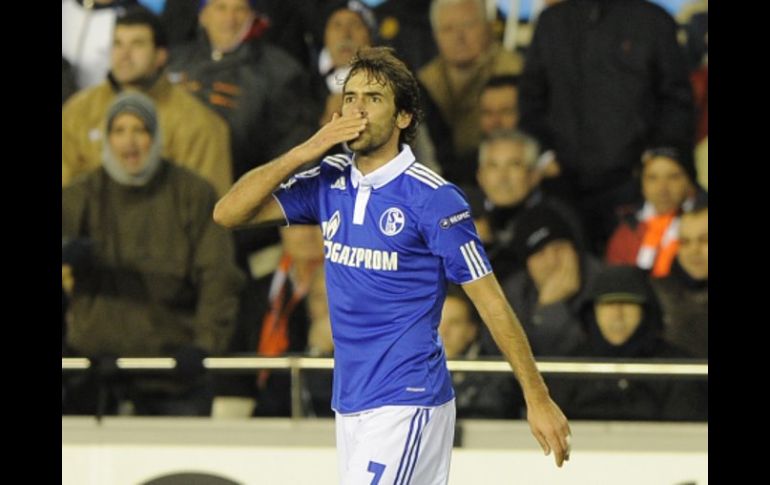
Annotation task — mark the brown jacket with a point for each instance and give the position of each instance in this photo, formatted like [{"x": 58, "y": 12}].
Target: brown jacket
[
  {"x": 461, "y": 110},
  {"x": 162, "y": 274},
  {"x": 193, "y": 135}
]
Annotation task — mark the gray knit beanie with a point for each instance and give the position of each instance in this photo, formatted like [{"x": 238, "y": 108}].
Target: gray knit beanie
[
  {"x": 136, "y": 103},
  {"x": 143, "y": 107}
]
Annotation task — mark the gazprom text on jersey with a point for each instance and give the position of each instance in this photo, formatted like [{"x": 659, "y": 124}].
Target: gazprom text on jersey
[{"x": 360, "y": 257}]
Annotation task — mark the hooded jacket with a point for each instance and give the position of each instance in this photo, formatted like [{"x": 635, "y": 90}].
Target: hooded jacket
[{"x": 630, "y": 398}]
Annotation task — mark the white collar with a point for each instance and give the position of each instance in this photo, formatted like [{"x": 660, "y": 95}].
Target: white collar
[{"x": 384, "y": 174}]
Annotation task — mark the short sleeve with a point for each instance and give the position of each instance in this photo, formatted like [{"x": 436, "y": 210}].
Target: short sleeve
[
  {"x": 299, "y": 197},
  {"x": 448, "y": 229}
]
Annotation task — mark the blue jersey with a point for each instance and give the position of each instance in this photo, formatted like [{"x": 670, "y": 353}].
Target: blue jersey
[{"x": 392, "y": 239}]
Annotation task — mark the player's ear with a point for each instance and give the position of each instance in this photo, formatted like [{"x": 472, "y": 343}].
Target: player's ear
[{"x": 403, "y": 119}]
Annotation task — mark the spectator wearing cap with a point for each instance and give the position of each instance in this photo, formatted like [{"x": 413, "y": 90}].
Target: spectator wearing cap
[
  {"x": 452, "y": 82},
  {"x": 509, "y": 179},
  {"x": 547, "y": 294},
  {"x": 348, "y": 26},
  {"x": 622, "y": 319},
  {"x": 152, "y": 274},
  {"x": 193, "y": 135},
  {"x": 648, "y": 237},
  {"x": 684, "y": 293}
]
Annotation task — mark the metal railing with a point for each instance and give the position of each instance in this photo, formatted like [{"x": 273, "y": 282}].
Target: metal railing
[{"x": 295, "y": 364}]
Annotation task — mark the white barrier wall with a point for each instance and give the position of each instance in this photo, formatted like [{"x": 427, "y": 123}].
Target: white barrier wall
[{"x": 132, "y": 451}]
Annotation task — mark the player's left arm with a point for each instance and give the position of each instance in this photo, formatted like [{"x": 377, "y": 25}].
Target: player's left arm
[
  {"x": 449, "y": 232},
  {"x": 546, "y": 420}
]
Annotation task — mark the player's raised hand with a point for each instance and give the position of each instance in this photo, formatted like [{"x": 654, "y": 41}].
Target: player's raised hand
[
  {"x": 339, "y": 129},
  {"x": 550, "y": 428}
]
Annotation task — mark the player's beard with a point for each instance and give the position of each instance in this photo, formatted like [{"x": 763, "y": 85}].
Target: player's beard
[{"x": 372, "y": 138}]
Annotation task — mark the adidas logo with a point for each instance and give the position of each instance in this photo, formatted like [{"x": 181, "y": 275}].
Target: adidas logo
[{"x": 339, "y": 184}]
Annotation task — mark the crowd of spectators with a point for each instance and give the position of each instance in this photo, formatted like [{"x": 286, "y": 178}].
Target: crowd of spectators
[{"x": 583, "y": 153}]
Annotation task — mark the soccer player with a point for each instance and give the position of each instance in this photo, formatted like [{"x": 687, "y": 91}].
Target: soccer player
[{"x": 394, "y": 233}]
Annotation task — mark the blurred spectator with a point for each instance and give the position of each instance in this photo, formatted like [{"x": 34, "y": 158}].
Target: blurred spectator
[
  {"x": 647, "y": 237},
  {"x": 259, "y": 89},
  {"x": 684, "y": 293},
  {"x": 86, "y": 36},
  {"x": 511, "y": 184},
  {"x": 700, "y": 83},
  {"x": 499, "y": 104},
  {"x": 151, "y": 273},
  {"x": 477, "y": 395},
  {"x": 276, "y": 315},
  {"x": 694, "y": 17},
  {"x": 453, "y": 81},
  {"x": 193, "y": 135},
  {"x": 548, "y": 293},
  {"x": 349, "y": 25},
  {"x": 498, "y": 111},
  {"x": 68, "y": 85},
  {"x": 602, "y": 81},
  {"x": 623, "y": 321}
]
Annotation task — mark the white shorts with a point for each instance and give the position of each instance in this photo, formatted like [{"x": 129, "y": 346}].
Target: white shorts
[{"x": 396, "y": 445}]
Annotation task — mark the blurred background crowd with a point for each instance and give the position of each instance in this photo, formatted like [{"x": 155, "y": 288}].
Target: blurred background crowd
[{"x": 577, "y": 129}]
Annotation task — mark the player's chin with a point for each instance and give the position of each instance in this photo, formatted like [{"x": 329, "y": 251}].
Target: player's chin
[{"x": 358, "y": 144}]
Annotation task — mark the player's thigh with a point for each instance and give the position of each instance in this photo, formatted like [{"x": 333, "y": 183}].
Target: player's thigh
[
  {"x": 402, "y": 445},
  {"x": 432, "y": 467}
]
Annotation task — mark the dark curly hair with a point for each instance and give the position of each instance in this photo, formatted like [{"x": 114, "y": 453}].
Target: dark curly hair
[
  {"x": 139, "y": 15},
  {"x": 381, "y": 64}
]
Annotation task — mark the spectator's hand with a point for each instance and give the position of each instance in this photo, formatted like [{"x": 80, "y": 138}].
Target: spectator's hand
[
  {"x": 564, "y": 281},
  {"x": 551, "y": 169},
  {"x": 550, "y": 427},
  {"x": 189, "y": 362},
  {"x": 546, "y": 167}
]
